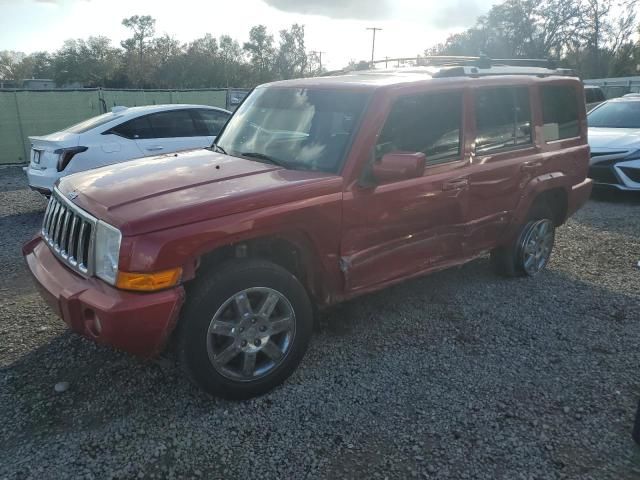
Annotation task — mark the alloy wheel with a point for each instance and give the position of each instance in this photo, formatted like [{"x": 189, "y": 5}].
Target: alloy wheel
[
  {"x": 251, "y": 334},
  {"x": 536, "y": 246}
]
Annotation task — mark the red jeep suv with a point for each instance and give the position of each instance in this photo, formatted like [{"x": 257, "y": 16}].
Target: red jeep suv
[{"x": 316, "y": 191}]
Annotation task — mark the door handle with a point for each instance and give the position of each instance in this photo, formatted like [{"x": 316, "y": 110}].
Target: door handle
[
  {"x": 156, "y": 148},
  {"x": 459, "y": 184},
  {"x": 529, "y": 166}
]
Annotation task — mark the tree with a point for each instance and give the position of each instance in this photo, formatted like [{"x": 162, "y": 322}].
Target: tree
[
  {"x": 12, "y": 66},
  {"x": 261, "y": 52},
  {"x": 606, "y": 28},
  {"x": 92, "y": 62},
  {"x": 292, "y": 58},
  {"x": 137, "y": 47},
  {"x": 592, "y": 36}
]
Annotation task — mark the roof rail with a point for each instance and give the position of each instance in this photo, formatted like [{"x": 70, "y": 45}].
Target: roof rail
[
  {"x": 456, "y": 66},
  {"x": 483, "y": 61}
]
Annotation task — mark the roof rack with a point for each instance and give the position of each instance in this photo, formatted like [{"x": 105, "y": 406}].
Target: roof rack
[
  {"x": 483, "y": 61},
  {"x": 455, "y": 66}
]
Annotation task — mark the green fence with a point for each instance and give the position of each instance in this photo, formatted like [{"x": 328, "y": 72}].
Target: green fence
[{"x": 25, "y": 113}]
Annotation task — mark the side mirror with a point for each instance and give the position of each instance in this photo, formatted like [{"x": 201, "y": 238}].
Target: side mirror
[{"x": 396, "y": 166}]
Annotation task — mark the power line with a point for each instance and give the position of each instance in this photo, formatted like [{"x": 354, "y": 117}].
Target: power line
[
  {"x": 319, "y": 54},
  {"x": 373, "y": 43}
]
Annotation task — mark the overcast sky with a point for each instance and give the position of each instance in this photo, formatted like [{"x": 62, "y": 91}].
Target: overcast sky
[{"x": 337, "y": 27}]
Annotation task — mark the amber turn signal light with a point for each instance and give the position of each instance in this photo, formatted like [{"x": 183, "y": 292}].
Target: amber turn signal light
[{"x": 148, "y": 282}]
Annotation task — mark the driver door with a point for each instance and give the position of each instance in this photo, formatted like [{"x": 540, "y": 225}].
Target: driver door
[{"x": 397, "y": 229}]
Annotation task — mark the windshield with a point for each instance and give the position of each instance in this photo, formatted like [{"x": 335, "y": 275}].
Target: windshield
[
  {"x": 616, "y": 115},
  {"x": 92, "y": 122},
  {"x": 299, "y": 128}
]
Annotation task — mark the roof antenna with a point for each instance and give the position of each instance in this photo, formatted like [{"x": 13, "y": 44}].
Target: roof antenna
[{"x": 484, "y": 61}]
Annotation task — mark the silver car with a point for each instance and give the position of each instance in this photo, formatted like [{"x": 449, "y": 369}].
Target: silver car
[{"x": 614, "y": 137}]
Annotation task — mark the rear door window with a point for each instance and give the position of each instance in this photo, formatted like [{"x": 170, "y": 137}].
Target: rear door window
[
  {"x": 429, "y": 123},
  {"x": 559, "y": 112},
  {"x": 503, "y": 119},
  {"x": 210, "y": 122},
  {"x": 171, "y": 124},
  {"x": 138, "y": 128}
]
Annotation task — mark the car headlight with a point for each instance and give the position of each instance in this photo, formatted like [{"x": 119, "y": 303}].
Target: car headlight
[{"x": 107, "y": 252}]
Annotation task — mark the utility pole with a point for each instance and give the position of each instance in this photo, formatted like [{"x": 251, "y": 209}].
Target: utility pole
[
  {"x": 319, "y": 54},
  {"x": 373, "y": 43}
]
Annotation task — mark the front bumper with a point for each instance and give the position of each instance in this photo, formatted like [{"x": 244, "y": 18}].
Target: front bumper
[
  {"x": 621, "y": 174},
  {"x": 138, "y": 323}
]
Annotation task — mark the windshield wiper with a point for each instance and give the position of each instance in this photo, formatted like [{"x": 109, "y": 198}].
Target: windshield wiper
[
  {"x": 218, "y": 148},
  {"x": 262, "y": 156}
]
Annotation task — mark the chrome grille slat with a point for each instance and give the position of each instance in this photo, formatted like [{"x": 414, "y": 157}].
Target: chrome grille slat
[
  {"x": 56, "y": 217},
  {"x": 47, "y": 221},
  {"x": 47, "y": 212},
  {"x": 81, "y": 244},
  {"x": 57, "y": 236},
  {"x": 64, "y": 238},
  {"x": 72, "y": 241},
  {"x": 69, "y": 232}
]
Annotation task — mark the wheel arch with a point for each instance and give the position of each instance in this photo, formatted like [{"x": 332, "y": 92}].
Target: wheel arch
[
  {"x": 293, "y": 251},
  {"x": 551, "y": 190}
]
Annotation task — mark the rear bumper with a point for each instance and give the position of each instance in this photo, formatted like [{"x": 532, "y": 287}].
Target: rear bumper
[
  {"x": 578, "y": 196},
  {"x": 138, "y": 323},
  {"x": 42, "y": 180}
]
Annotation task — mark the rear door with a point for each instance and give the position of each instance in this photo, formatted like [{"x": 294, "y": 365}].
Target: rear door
[
  {"x": 393, "y": 230},
  {"x": 172, "y": 131},
  {"x": 504, "y": 158}
]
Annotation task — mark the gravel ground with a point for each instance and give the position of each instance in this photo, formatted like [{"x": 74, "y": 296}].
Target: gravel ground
[{"x": 457, "y": 375}]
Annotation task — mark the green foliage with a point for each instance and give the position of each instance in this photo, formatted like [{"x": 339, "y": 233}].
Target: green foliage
[
  {"x": 595, "y": 37},
  {"x": 148, "y": 61}
]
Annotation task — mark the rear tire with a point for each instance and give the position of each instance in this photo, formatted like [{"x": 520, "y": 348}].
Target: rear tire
[
  {"x": 529, "y": 253},
  {"x": 244, "y": 329}
]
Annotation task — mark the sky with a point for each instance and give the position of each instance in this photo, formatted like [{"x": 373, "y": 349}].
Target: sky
[{"x": 335, "y": 27}]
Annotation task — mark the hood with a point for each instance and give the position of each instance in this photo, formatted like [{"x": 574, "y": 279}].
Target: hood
[
  {"x": 166, "y": 191},
  {"x": 614, "y": 138}
]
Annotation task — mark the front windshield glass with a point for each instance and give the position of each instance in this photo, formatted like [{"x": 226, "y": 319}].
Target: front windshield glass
[
  {"x": 298, "y": 128},
  {"x": 616, "y": 115}
]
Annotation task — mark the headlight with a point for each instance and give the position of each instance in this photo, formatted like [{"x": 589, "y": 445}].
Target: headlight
[{"x": 107, "y": 252}]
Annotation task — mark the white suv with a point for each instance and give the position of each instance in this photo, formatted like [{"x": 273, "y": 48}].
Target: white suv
[{"x": 121, "y": 135}]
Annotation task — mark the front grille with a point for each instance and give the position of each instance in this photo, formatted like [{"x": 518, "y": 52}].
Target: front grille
[
  {"x": 632, "y": 173},
  {"x": 603, "y": 175},
  {"x": 69, "y": 231}
]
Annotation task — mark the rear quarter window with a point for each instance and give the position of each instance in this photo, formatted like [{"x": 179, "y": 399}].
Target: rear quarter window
[
  {"x": 559, "y": 112},
  {"x": 92, "y": 123}
]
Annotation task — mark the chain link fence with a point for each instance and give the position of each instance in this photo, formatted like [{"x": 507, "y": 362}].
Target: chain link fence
[{"x": 25, "y": 113}]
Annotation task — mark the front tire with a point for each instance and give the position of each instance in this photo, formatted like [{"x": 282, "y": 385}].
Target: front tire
[{"x": 244, "y": 329}]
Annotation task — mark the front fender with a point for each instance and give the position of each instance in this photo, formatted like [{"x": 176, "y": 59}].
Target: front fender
[{"x": 312, "y": 225}]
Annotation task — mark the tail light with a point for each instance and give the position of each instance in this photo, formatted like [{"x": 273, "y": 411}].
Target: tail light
[{"x": 66, "y": 154}]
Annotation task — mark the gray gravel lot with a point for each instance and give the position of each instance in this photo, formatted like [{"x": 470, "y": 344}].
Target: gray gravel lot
[{"x": 458, "y": 375}]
